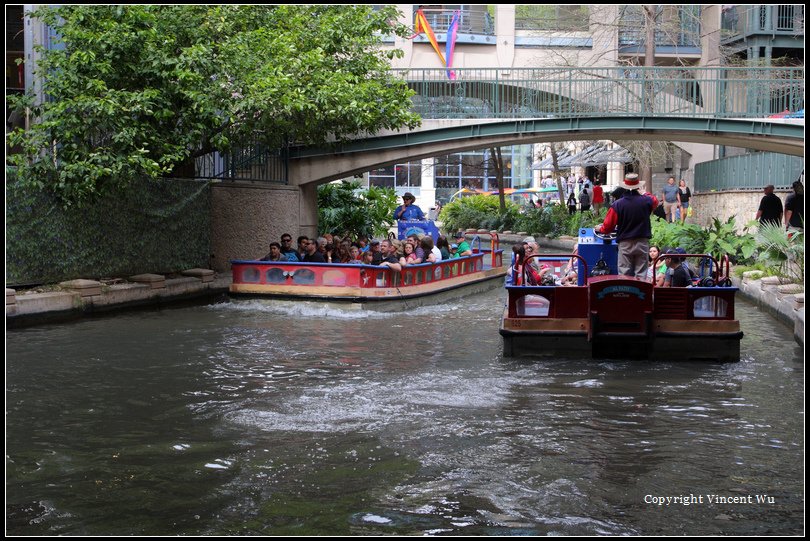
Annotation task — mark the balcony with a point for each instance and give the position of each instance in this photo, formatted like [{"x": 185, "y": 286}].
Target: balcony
[
  {"x": 474, "y": 20},
  {"x": 677, "y": 29},
  {"x": 741, "y": 22}
]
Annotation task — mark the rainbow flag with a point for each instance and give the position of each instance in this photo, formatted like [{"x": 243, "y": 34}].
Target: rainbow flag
[
  {"x": 422, "y": 26},
  {"x": 452, "y": 33}
]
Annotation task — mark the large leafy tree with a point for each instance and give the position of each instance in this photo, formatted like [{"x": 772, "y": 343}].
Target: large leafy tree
[{"x": 143, "y": 90}]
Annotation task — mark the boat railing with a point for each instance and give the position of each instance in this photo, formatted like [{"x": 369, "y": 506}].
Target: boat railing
[
  {"x": 710, "y": 297},
  {"x": 297, "y": 274},
  {"x": 560, "y": 271},
  {"x": 715, "y": 269},
  {"x": 496, "y": 253}
]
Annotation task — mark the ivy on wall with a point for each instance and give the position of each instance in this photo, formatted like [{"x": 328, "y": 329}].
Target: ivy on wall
[{"x": 159, "y": 226}]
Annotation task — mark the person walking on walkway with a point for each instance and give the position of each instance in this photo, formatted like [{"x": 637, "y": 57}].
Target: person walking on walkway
[
  {"x": 794, "y": 208},
  {"x": 770, "y": 207},
  {"x": 670, "y": 199}
]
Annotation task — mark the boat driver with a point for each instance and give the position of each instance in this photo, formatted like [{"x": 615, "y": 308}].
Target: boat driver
[
  {"x": 630, "y": 216},
  {"x": 408, "y": 210}
]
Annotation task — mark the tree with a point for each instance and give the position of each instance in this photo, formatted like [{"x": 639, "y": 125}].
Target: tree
[
  {"x": 346, "y": 210},
  {"x": 144, "y": 90},
  {"x": 497, "y": 163}
]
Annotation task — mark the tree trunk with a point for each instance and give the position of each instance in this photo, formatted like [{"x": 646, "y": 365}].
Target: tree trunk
[
  {"x": 497, "y": 160},
  {"x": 556, "y": 167},
  {"x": 645, "y": 165}
]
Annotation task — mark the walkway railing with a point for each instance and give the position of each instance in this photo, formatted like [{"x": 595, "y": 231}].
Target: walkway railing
[{"x": 620, "y": 91}]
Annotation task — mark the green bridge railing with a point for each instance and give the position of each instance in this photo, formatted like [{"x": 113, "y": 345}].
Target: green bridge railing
[{"x": 618, "y": 91}]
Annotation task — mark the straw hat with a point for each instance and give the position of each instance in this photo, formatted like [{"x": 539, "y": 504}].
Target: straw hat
[{"x": 631, "y": 182}]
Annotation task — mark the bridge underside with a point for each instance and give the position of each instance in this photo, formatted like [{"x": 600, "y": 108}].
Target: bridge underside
[{"x": 310, "y": 166}]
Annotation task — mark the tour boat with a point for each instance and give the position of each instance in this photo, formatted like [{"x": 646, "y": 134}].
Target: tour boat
[
  {"x": 370, "y": 286},
  {"x": 615, "y": 316}
]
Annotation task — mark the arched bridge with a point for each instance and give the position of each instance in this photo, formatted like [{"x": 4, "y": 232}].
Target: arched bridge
[{"x": 483, "y": 108}]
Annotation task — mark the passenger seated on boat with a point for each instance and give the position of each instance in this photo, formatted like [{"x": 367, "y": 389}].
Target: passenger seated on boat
[
  {"x": 302, "y": 247},
  {"x": 313, "y": 255},
  {"x": 287, "y": 248},
  {"x": 355, "y": 256},
  {"x": 376, "y": 252},
  {"x": 660, "y": 267},
  {"x": 463, "y": 246},
  {"x": 275, "y": 253},
  {"x": 532, "y": 248},
  {"x": 570, "y": 279},
  {"x": 432, "y": 254},
  {"x": 409, "y": 255},
  {"x": 343, "y": 251},
  {"x": 532, "y": 278},
  {"x": 390, "y": 258},
  {"x": 680, "y": 276},
  {"x": 367, "y": 258},
  {"x": 443, "y": 246},
  {"x": 453, "y": 251},
  {"x": 417, "y": 248}
]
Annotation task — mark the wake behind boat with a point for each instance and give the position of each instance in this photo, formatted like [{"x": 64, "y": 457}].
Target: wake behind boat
[{"x": 370, "y": 286}]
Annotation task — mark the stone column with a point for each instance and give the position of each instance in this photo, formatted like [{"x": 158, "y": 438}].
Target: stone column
[{"x": 427, "y": 193}]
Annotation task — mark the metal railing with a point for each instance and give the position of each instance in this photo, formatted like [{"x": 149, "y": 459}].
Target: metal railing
[
  {"x": 738, "y": 22},
  {"x": 617, "y": 91},
  {"x": 748, "y": 172},
  {"x": 253, "y": 162},
  {"x": 470, "y": 21},
  {"x": 681, "y": 30},
  {"x": 545, "y": 18}
]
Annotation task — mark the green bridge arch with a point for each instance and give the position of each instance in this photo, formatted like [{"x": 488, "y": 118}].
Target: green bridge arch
[{"x": 317, "y": 165}]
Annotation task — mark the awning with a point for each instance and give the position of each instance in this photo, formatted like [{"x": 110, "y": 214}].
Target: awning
[{"x": 599, "y": 154}]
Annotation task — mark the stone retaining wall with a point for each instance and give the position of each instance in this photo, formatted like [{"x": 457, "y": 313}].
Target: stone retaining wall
[{"x": 722, "y": 205}]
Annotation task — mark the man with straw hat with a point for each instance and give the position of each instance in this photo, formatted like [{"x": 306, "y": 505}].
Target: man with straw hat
[{"x": 630, "y": 216}]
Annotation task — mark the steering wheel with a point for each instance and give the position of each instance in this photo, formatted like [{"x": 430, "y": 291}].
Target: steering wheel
[{"x": 603, "y": 236}]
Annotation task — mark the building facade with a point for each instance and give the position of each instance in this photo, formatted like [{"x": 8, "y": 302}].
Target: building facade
[{"x": 514, "y": 36}]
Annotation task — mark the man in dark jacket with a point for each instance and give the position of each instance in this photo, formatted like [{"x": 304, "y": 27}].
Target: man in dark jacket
[
  {"x": 770, "y": 207},
  {"x": 794, "y": 208},
  {"x": 630, "y": 216}
]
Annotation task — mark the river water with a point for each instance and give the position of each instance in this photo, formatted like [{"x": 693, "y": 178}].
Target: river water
[{"x": 238, "y": 418}]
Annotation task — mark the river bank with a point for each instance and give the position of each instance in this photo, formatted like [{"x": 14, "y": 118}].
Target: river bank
[{"x": 80, "y": 298}]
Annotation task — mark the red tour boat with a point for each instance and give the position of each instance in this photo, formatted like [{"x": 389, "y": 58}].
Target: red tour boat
[{"x": 615, "y": 316}]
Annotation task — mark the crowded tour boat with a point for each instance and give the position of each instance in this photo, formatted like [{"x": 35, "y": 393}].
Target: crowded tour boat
[
  {"x": 583, "y": 307},
  {"x": 373, "y": 287}
]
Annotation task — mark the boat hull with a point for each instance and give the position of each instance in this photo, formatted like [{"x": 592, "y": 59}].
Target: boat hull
[
  {"x": 370, "y": 287},
  {"x": 669, "y": 340},
  {"x": 389, "y": 299}
]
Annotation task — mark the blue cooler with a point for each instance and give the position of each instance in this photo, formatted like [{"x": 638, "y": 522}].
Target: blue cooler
[
  {"x": 592, "y": 249},
  {"x": 418, "y": 227}
]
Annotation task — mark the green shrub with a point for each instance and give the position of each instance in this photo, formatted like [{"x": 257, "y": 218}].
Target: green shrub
[
  {"x": 478, "y": 211},
  {"x": 783, "y": 252},
  {"x": 345, "y": 209}
]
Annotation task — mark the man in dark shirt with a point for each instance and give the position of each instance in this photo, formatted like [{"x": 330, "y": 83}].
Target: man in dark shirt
[
  {"x": 312, "y": 255},
  {"x": 794, "y": 208},
  {"x": 630, "y": 216},
  {"x": 770, "y": 207},
  {"x": 680, "y": 276},
  {"x": 390, "y": 258},
  {"x": 287, "y": 248}
]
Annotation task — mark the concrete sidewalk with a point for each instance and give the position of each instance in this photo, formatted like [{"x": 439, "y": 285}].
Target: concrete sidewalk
[{"x": 78, "y": 298}]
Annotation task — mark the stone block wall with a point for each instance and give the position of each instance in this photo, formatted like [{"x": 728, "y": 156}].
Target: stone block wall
[
  {"x": 247, "y": 217},
  {"x": 722, "y": 205}
]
